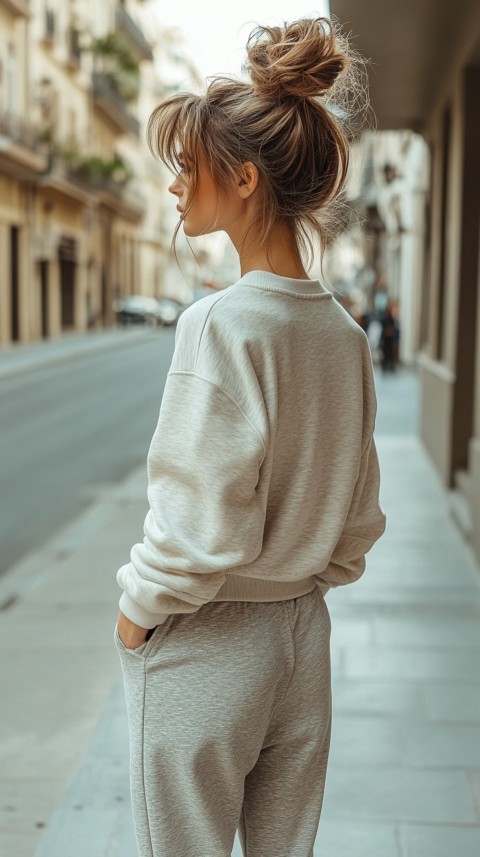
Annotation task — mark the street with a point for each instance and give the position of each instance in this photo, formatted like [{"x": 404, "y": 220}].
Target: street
[{"x": 70, "y": 428}]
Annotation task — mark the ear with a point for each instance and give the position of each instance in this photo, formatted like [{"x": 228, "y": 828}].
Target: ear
[{"x": 247, "y": 179}]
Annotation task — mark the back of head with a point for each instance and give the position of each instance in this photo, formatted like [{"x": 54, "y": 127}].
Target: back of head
[
  {"x": 302, "y": 59},
  {"x": 306, "y": 99}
]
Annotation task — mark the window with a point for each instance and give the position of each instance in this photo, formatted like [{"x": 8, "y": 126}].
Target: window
[{"x": 11, "y": 79}]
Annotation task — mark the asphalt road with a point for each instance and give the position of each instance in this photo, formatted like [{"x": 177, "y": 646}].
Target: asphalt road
[{"x": 69, "y": 428}]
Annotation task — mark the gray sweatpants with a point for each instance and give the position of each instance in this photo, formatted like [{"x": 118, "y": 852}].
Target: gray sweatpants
[{"x": 229, "y": 712}]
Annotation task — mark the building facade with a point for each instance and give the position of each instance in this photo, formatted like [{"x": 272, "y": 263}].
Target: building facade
[
  {"x": 84, "y": 218},
  {"x": 437, "y": 97},
  {"x": 21, "y": 164}
]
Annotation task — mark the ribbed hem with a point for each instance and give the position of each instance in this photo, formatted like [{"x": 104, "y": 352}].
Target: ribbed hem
[{"x": 237, "y": 588}]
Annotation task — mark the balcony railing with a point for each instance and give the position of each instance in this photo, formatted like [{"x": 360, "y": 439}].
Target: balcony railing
[
  {"x": 118, "y": 195},
  {"x": 20, "y": 8},
  {"x": 138, "y": 42},
  {"x": 112, "y": 104},
  {"x": 19, "y": 130},
  {"x": 74, "y": 47},
  {"x": 49, "y": 26},
  {"x": 22, "y": 152}
]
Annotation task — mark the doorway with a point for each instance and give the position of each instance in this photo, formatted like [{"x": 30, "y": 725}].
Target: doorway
[
  {"x": 463, "y": 399},
  {"x": 67, "y": 257},
  {"x": 44, "y": 298},
  {"x": 14, "y": 285}
]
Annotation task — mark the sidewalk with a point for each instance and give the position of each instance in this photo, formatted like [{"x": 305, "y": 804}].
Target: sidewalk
[
  {"x": 58, "y": 608},
  {"x": 24, "y": 357},
  {"x": 404, "y": 773}
]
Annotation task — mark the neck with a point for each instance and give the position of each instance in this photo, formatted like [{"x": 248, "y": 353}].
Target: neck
[{"x": 280, "y": 257}]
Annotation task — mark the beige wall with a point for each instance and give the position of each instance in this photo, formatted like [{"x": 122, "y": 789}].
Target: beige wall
[
  {"x": 13, "y": 32},
  {"x": 437, "y": 383},
  {"x": 451, "y": 336},
  {"x": 12, "y": 214},
  {"x": 12, "y": 196}
]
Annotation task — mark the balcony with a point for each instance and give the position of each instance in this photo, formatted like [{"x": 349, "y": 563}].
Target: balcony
[
  {"x": 49, "y": 27},
  {"x": 73, "y": 48},
  {"x": 113, "y": 181},
  {"x": 93, "y": 179},
  {"x": 19, "y": 149},
  {"x": 19, "y": 8},
  {"x": 138, "y": 43},
  {"x": 123, "y": 200},
  {"x": 58, "y": 176},
  {"x": 110, "y": 103}
]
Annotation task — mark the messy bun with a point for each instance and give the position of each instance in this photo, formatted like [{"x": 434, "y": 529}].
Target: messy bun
[
  {"x": 305, "y": 100},
  {"x": 301, "y": 59}
]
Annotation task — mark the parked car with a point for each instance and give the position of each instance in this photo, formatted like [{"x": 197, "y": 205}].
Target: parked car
[
  {"x": 136, "y": 309},
  {"x": 140, "y": 309},
  {"x": 169, "y": 311}
]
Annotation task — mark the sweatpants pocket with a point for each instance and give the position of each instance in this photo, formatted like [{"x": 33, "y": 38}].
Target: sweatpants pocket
[
  {"x": 123, "y": 649},
  {"x": 148, "y": 646}
]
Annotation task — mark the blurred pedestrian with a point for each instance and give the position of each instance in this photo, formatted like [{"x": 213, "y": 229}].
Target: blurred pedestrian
[
  {"x": 263, "y": 476},
  {"x": 374, "y": 335},
  {"x": 389, "y": 340},
  {"x": 364, "y": 321}
]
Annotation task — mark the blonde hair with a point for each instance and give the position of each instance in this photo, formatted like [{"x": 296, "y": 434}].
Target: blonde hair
[{"x": 307, "y": 99}]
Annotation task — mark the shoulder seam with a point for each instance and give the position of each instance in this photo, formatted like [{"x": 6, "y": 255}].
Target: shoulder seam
[
  {"x": 214, "y": 303},
  {"x": 214, "y": 384}
]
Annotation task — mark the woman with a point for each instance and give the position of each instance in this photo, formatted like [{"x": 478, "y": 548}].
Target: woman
[{"x": 263, "y": 473}]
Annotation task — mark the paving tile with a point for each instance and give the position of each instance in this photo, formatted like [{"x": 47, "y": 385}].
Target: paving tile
[
  {"x": 35, "y": 687},
  {"x": 412, "y": 662},
  {"x": 94, "y": 815},
  {"x": 380, "y": 594},
  {"x": 24, "y": 811},
  {"x": 72, "y": 587},
  {"x": 55, "y": 752},
  {"x": 20, "y": 844},
  {"x": 474, "y": 779},
  {"x": 440, "y": 841},
  {"x": 446, "y": 547},
  {"x": 393, "y": 698},
  {"x": 49, "y": 705},
  {"x": 65, "y": 628},
  {"x": 398, "y": 794},
  {"x": 365, "y": 741},
  {"x": 350, "y": 631},
  {"x": 423, "y": 570},
  {"x": 452, "y": 701},
  {"x": 99, "y": 784},
  {"x": 428, "y": 630},
  {"x": 336, "y": 839},
  {"x": 113, "y": 740},
  {"x": 337, "y": 654},
  {"x": 442, "y": 745},
  {"x": 103, "y": 832}
]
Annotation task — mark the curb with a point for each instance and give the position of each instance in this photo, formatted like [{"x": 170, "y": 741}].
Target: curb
[
  {"x": 66, "y": 352},
  {"x": 24, "y": 575}
]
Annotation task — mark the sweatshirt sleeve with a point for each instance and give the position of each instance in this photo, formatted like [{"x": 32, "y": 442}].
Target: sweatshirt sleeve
[
  {"x": 205, "y": 515},
  {"x": 365, "y": 523}
]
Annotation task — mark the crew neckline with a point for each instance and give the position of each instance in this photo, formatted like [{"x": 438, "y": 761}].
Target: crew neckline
[{"x": 276, "y": 283}]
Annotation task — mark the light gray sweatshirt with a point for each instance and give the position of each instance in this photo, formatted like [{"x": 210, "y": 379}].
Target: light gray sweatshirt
[{"x": 263, "y": 476}]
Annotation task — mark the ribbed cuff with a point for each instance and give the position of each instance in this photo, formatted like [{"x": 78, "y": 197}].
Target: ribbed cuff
[{"x": 140, "y": 616}]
